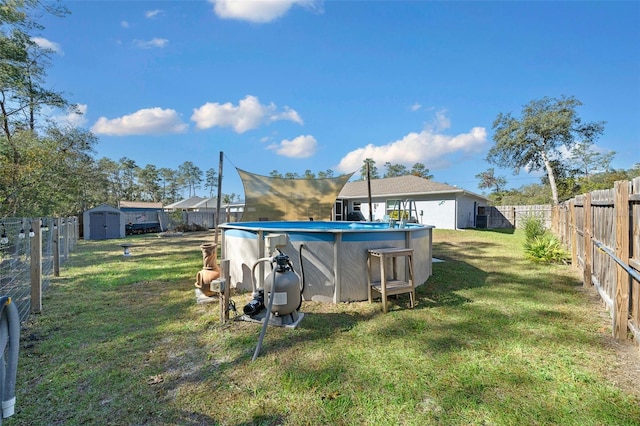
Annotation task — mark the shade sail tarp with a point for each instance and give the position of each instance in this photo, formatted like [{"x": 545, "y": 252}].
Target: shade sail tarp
[{"x": 272, "y": 198}]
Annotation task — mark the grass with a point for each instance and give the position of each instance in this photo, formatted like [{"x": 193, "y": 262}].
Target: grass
[{"x": 494, "y": 339}]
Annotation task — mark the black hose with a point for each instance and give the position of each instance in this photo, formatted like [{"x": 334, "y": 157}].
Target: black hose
[
  {"x": 267, "y": 316},
  {"x": 10, "y": 335},
  {"x": 301, "y": 277}
]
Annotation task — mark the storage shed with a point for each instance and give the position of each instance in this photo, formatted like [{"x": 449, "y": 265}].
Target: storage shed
[{"x": 103, "y": 222}]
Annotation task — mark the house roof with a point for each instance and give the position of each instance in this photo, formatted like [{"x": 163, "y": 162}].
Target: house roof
[
  {"x": 209, "y": 203},
  {"x": 196, "y": 202},
  {"x": 138, "y": 205},
  {"x": 400, "y": 185},
  {"x": 188, "y": 203}
]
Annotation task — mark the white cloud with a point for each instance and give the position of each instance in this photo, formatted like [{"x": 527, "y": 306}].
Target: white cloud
[
  {"x": 150, "y": 14},
  {"x": 76, "y": 118},
  {"x": 259, "y": 11},
  {"x": 47, "y": 44},
  {"x": 415, "y": 107},
  {"x": 249, "y": 114},
  {"x": 300, "y": 147},
  {"x": 429, "y": 147},
  {"x": 440, "y": 122},
  {"x": 124, "y": 24},
  {"x": 149, "y": 44},
  {"x": 142, "y": 122}
]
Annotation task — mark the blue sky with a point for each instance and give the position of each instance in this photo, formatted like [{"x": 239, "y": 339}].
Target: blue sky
[{"x": 291, "y": 85}]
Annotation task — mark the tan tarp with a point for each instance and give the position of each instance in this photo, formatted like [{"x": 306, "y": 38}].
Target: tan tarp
[{"x": 270, "y": 198}]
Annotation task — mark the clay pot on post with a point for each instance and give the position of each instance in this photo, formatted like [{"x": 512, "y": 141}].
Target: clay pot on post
[{"x": 210, "y": 269}]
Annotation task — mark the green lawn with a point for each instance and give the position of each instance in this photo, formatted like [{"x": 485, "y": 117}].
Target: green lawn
[{"x": 493, "y": 340}]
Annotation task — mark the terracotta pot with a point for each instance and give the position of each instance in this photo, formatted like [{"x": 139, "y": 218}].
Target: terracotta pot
[
  {"x": 209, "y": 256},
  {"x": 204, "y": 278}
]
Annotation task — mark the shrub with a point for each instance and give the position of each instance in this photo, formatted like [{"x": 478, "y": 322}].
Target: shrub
[
  {"x": 545, "y": 248},
  {"x": 534, "y": 227}
]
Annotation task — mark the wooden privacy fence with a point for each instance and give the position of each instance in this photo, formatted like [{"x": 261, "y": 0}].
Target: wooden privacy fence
[
  {"x": 31, "y": 252},
  {"x": 513, "y": 216},
  {"x": 602, "y": 231}
]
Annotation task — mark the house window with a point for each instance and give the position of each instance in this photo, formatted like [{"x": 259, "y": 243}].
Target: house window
[
  {"x": 393, "y": 204},
  {"x": 394, "y": 207},
  {"x": 356, "y": 206}
]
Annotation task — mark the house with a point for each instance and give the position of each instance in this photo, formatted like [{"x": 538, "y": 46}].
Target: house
[{"x": 412, "y": 197}]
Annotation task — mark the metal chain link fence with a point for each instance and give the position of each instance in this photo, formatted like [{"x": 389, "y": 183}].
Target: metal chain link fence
[{"x": 17, "y": 261}]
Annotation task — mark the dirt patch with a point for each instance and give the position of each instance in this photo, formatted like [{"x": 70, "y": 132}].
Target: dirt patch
[{"x": 624, "y": 373}]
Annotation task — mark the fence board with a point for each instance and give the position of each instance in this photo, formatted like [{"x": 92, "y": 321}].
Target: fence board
[
  {"x": 623, "y": 279},
  {"x": 634, "y": 256}
]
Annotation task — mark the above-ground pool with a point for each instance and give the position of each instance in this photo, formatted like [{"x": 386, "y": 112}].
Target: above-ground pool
[{"x": 334, "y": 254}]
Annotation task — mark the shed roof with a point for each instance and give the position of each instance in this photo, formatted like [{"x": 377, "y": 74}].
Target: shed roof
[
  {"x": 139, "y": 205},
  {"x": 103, "y": 207}
]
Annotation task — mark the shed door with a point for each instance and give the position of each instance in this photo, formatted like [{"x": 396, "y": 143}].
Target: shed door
[{"x": 104, "y": 225}]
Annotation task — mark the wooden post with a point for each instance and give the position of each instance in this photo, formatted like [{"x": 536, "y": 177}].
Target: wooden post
[
  {"x": 621, "y": 302},
  {"x": 219, "y": 199},
  {"x": 369, "y": 191},
  {"x": 66, "y": 232},
  {"x": 573, "y": 233},
  {"x": 224, "y": 295},
  {"x": 56, "y": 247},
  {"x": 36, "y": 268},
  {"x": 567, "y": 224},
  {"x": 634, "y": 324},
  {"x": 588, "y": 245}
]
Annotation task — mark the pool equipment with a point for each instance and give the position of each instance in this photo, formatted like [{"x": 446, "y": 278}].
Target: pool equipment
[
  {"x": 278, "y": 302},
  {"x": 9, "y": 343},
  {"x": 282, "y": 289}
]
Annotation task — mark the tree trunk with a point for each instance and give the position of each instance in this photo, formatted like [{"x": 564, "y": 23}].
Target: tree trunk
[{"x": 552, "y": 178}]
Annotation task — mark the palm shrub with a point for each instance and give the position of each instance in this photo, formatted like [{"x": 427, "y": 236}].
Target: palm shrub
[
  {"x": 540, "y": 245},
  {"x": 546, "y": 248}
]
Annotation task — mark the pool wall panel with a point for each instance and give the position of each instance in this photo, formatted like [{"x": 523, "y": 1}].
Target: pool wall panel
[{"x": 334, "y": 262}]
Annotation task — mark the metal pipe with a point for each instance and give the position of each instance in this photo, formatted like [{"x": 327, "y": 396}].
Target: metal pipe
[
  {"x": 607, "y": 250},
  {"x": 254, "y": 285}
]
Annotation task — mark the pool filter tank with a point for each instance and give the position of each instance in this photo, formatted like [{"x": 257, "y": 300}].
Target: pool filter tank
[
  {"x": 284, "y": 283},
  {"x": 278, "y": 302}
]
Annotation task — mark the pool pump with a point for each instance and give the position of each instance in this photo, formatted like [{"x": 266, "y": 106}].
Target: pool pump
[{"x": 280, "y": 299}]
